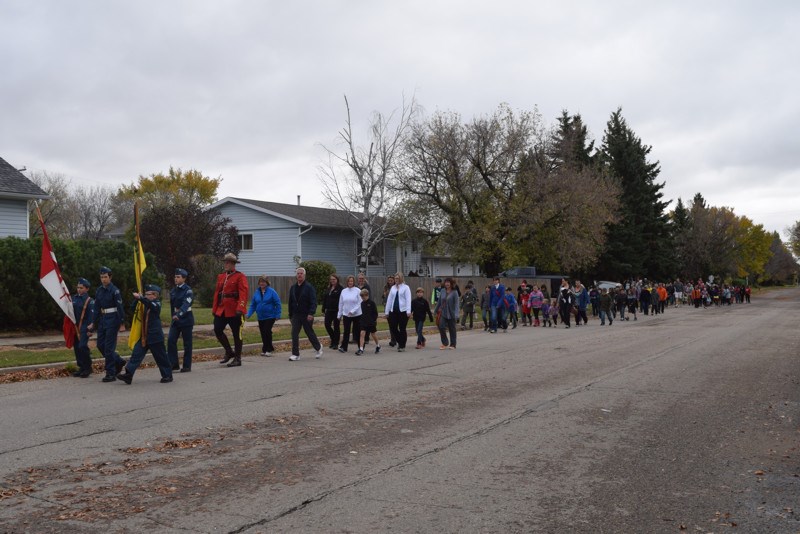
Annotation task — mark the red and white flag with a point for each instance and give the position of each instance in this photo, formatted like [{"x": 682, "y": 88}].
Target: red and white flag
[{"x": 50, "y": 277}]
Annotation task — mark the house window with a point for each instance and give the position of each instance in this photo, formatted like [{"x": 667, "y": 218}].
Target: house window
[
  {"x": 376, "y": 256},
  {"x": 245, "y": 241}
]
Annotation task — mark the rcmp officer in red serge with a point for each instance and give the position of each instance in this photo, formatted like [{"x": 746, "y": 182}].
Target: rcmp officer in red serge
[
  {"x": 107, "y": 318},
  {"x": 180, "y": 302},
  {"x": 83, "y": 305},
  {"x": 152, "y": 337},
  {"x": 230, "y": 306}
]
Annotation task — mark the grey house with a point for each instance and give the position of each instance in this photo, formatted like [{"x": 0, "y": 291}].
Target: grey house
[
  {"x": 273, "y": 235},
  {"x": 16, "y": 190}
]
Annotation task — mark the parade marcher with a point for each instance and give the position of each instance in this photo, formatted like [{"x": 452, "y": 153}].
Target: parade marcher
[
  {"x": 386, "y": 289},
  {"x": 83, "y": 305},
  {"x": 229, "y": 308},
  {"x": 447, "y": 312},
  {"x": 566, "y": 301},
  {"x": 266, "y": 304},
  {"x": 106, "y": 319},
  {"x": 436, "y": 291},
  {"x": 302, "y": 305},
  {"x": 330, "y": 309},
  {"x": 605, "y": 303},
  {"x": 420, "y": 307},
  {"x": 535, "y": 301},
  {"x": 468, "y": 301},
  {"x": 486, "y": 314},
  {"x": 152, "y": 337},
  {"x": 369, "y": 323},
  {"x": 398, "y": 310},
  {"x": 350, "y": 312},
  {"x": 497, "y": 306},
  {"x": 180, "y": 305},
  {"x": 582, "y": 300},
  {"x": 361, "y": 283}
]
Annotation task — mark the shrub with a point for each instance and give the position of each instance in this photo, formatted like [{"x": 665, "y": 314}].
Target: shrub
[{"x": 317, "y": 274}]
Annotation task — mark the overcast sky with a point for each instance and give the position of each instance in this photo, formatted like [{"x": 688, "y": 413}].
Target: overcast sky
[{"x": 105, "y": 91}]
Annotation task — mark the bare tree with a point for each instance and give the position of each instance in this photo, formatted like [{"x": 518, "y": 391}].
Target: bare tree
[{"x": 357, "y": 179}]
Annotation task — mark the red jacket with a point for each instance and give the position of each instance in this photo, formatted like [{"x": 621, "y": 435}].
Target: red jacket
[{"x": 230, "y": 296}]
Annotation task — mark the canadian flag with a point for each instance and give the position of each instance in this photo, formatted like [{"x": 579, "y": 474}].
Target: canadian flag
[{"x": 50, "y": 277}]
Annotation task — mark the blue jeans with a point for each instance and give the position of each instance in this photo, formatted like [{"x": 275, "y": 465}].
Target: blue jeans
[
  {"x": 498, "y": 318},
  {"x": 603, "y": 315},
  {"x": 419, "y": 326}
]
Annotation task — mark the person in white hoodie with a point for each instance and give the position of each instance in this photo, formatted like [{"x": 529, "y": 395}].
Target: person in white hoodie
[
  {"x": 350, "y": 311},
  {"x": 398, "y": 310}
]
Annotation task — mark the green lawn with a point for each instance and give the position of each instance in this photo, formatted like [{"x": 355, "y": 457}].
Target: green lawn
[{"x": 16, "y": 357}]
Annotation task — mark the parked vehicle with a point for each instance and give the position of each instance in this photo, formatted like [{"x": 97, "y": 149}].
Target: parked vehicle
[{"x": 519, "y": 272}]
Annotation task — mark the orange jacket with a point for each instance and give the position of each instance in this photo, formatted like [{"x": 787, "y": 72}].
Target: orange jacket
[
  {"x": 230, "y": 296},
  {"x": 662, "y": 293}
]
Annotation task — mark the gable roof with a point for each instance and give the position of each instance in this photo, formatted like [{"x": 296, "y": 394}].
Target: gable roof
[
  {"x": 15, "y": 184},
  {"x": 302, "y": 215}
]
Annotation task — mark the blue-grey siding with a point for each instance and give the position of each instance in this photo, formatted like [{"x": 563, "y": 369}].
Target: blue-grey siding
[
  {"x": 13, "y": 217},
  {"x": 334, "y": 246}
]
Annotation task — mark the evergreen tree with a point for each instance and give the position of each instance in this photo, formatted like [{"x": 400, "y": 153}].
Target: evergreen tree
[
  {"x": 681, "y": 226},
  {"x": 640, "y": 242}
]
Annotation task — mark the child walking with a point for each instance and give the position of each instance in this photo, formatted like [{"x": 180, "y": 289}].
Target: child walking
[
  {"x": 420, "y": 307},
  {"x": 546, "y": 313},
  {"x": 511, "y": 308},
  {"x": 369, "y": 322}
]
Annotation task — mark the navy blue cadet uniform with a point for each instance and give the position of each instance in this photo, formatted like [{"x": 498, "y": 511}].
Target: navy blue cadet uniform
[
  {"x": 108, "y": 316},
  {"x": 152, "y": 337},
  {"x": 180, "y": 303},
  {"x": 83, "y": 306}
]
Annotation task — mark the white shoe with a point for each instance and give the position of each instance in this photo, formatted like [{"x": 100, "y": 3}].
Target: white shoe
[
  {"x": 318, "y": 355},
  {"x": 266, "y": 354},
  {"x": 294, "y": 358}
]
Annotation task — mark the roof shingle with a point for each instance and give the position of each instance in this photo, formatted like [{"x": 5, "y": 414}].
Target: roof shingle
[{"x": 15, "y": 183}]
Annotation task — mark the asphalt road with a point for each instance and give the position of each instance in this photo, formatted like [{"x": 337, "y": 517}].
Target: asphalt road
[{"x": 682, "y": 422}]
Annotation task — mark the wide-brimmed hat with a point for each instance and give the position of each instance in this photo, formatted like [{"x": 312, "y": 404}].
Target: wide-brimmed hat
[{"x": 230, "y": 256}]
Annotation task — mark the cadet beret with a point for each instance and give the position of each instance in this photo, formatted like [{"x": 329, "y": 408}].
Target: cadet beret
[
  {"x": 84, "y": 282},
  {"x": 181, "y": 272},
  {"x": 152, "y": 287},
  {"x": 105, "y": 270}
]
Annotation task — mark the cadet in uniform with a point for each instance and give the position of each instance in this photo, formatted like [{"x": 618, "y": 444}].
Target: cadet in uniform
[
  {"x": 229, "y": 308},
  {"x": 83, "y": 305},
  {"x": 180, "y": 304},
  {"x": 106, "y": 319},
  {"x": 152, "y": 337}
]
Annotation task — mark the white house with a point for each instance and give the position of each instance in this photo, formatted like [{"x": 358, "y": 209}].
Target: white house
[{"x": 16, "y": 190}]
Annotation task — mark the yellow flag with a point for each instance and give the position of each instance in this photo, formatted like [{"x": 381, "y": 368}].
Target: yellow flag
[{"x": 139, "y": 265}]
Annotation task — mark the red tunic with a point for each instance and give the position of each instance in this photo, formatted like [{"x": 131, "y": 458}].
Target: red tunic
[{"x": 230, "y": 295}]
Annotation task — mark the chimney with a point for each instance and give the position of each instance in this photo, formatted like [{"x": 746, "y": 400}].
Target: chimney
[{"x": 298, "y": 200}]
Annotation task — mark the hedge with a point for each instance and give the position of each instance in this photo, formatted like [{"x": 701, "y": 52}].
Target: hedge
[{"x": 24, "y": 303}]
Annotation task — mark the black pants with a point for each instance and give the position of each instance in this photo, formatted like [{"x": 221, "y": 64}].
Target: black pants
[
  {"x": 265, "y": 328},
  {"x": 298, "y": 322},
  {"x": 184, "y": 332},
  {"x": 350, "y": 322},
  {"x": 565, "y": 314},
  {"x": 398, "y": 322},
  {"x": 582, "y": 316},
  {"x": 237, "y": 324},
  {"x": 447, "y": 326},
  {"x": 332, "y": 327}
]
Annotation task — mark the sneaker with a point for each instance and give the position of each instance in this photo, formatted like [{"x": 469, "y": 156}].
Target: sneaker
[
  {"x": 359, "y": 352},
  {"x": 378, "y": 349},
  {"x": 392, "y": 343},
  {"x": 401, "y": 349},
  {"x": 294, "y": 358},
  {"x": 267, "y": 354},
  {"x": 318, "y": 355},
  {"x": 342, "y": 350},
  {"x": 452, "y": 347}
]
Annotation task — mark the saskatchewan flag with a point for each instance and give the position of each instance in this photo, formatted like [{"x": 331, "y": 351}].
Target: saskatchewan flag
[{"x": 139, "y": 266}]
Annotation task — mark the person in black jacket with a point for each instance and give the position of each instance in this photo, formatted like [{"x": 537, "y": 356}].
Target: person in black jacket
[
  {"x": 420, "y": 307},
  {"x": 302, "y": 305},
  {"x": 566, "y": 301},
  {"x": 369, "y": 323},
  {"x": 330, "y": 308}
]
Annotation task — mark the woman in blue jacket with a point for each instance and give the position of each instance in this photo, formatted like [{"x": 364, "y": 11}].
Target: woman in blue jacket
[{"x": 267, "y": 306}]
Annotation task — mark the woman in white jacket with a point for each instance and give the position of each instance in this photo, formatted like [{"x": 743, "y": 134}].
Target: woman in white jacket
[
  {"x": 350, "y": 311},
  {"x": 398, "y": 310}
]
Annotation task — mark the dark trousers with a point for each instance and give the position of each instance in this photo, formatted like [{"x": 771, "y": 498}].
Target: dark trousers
[
  {"x": 445, "y": 326},
  {"x": 467, "y": 311},
  {"x": 398, "y": 322},
  {"x": 107, "y": 345},
  {"x": 83, "y": 354},
  {"x": 353, "y": 323},
  {"x": 332, "y": 327},
  {"x": 565, "y": 314},
  {"x": 265, "y": 328},
  {"x": 298, "y": 322},
  {"x": 185, "y": 333},
  {"x": 419, "y": 326},
  {"x": 582, "y": 316},
  {"x": 159, "y": 355},
  {"x": 237, "y": 325}
]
